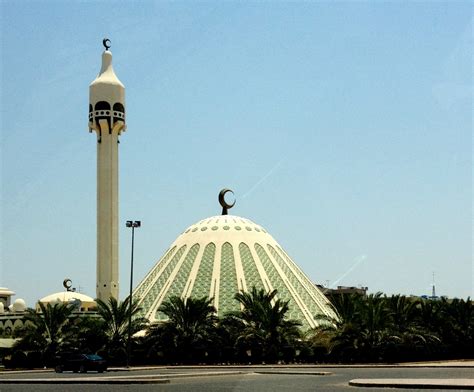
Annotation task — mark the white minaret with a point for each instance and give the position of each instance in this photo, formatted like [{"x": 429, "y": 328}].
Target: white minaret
[{"x": 107, "y": 119}]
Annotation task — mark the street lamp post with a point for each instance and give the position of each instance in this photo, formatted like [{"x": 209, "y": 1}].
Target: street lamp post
[{"x": 133, "y": 225}]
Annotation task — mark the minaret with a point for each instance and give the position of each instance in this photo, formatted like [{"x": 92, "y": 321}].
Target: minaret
[{"x": 107, "y": 119}]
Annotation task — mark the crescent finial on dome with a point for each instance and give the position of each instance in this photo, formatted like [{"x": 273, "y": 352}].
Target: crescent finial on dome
[{"x": 223, "y": 203}]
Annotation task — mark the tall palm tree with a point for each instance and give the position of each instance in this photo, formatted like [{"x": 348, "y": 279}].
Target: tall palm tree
[
  {"x": 264, "y": 326},
  {"x": 48, "y": 330},
  {"x": 189, "y": 332},
  {"x": 378, "y": 322},
  {"x": 115, "y": 318},
  {"x": 340, "y": 338}
]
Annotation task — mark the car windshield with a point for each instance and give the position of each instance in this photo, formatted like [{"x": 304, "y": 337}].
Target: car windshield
[{"x": 94, "y": 357}]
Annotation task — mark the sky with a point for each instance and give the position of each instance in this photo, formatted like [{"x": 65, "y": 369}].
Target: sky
[{"x": 344, "y": 129}]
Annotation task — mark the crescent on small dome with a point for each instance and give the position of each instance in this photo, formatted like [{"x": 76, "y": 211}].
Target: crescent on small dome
[
  {"x": 223, "y": 203},
  {"x": 106, "y": 42},
  {"x": 67, "y": 283}
]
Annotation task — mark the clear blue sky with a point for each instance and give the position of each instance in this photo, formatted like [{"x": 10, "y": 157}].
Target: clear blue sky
[{"x": 345, "y": 129}]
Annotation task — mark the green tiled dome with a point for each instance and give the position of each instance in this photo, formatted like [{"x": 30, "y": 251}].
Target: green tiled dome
[{"x": 221, "y": 255}]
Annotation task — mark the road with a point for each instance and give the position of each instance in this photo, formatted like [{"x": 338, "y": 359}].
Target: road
[{"x": 238, "y": 379}]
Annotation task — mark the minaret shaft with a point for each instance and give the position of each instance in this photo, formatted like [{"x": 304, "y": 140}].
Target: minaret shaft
[
  {"x": 107, "y": 119},
  {"x": 107, "y": 213}
]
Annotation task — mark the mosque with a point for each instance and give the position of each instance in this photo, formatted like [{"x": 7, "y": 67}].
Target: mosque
[
  {"x": 215, "y": 257},
  {"x": 222, "y": 255}
]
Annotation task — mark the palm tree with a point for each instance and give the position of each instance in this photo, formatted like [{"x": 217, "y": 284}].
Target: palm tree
[
  {"x": 363, "y": 331},
  {"x": 340, "y": 338},
  {"x": 47, "y": 331},
  {"x": 89, "y": 334},
  {"x": 403, "y": 311},
  {"x": 264, "y": 327},
  {"x": 348, "y": 308},
  {"x": 228, "y": 330},
  {"x": 378, "y": 323},
  {"x": 115, "y": 319},
  {"x": 375, "y": 328},
  {"x": 458, "y": 327},
  {"x": 431, "y": 316},
  {"x": 408, "y": 339},
  {"x": 189, "y": 332}
]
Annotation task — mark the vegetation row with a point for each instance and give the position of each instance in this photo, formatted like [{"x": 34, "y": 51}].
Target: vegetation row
[{"x": 373, "y": 328}]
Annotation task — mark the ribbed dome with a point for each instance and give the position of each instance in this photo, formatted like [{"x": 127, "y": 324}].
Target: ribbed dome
[{"x": 221, "y": 255}]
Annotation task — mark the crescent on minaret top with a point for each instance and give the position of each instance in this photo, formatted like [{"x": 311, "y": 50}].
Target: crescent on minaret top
[
  {"x": 106, "y": 42},
  {"x": 223, "y": 203}
]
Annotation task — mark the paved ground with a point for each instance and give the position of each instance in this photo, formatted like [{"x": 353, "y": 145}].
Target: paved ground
[
  {"x": 258, "y": 378},
  {"x": 424, "y": 383}
]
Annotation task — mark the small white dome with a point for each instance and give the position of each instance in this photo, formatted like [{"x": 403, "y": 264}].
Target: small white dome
[
  {"x": 19, "y": 305},
  {"x": 66, "y": 296},
  {"x": 84, "y": 302}
]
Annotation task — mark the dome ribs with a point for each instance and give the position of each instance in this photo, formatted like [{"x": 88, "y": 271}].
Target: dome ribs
[
  {"x": 145, "y": 284},
  {"x": 152, "y": 298},
  {"x": 278, "y": 283},
  {"x": 324, "y": 304},
  {"x": 228, "y": 286},
  {"x": 305, "y": 301},
  {"x": 202, "y": 283},
  {"x": 181, "y": 274},
  {"x": 251, "y": 275}
]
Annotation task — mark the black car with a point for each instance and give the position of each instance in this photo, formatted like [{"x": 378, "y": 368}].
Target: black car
[{"x": 80, "y": 363}]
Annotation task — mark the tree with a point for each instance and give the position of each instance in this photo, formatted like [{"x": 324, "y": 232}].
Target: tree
[
  {"x": 457, "y": 327},
  {"x": 189, "y": 333},
  {"x": 89, "y": 334},
  {"x": 115, "y": 319},
  {"x": 403, "y": 311},
  {"x": 377, "y": 327},
  {"x": 264, "y": 331},
  {"x": 47, "y": 331}
]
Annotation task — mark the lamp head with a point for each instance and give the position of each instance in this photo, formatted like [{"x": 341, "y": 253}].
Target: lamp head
[{"x": 133, "y": 224}]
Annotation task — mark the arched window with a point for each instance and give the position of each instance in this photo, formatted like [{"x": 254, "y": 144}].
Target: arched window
[
  {"x": 118, "y": 107},
  {"x": 90, "y": 108},
  {"x": 102, "y": 105}
]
